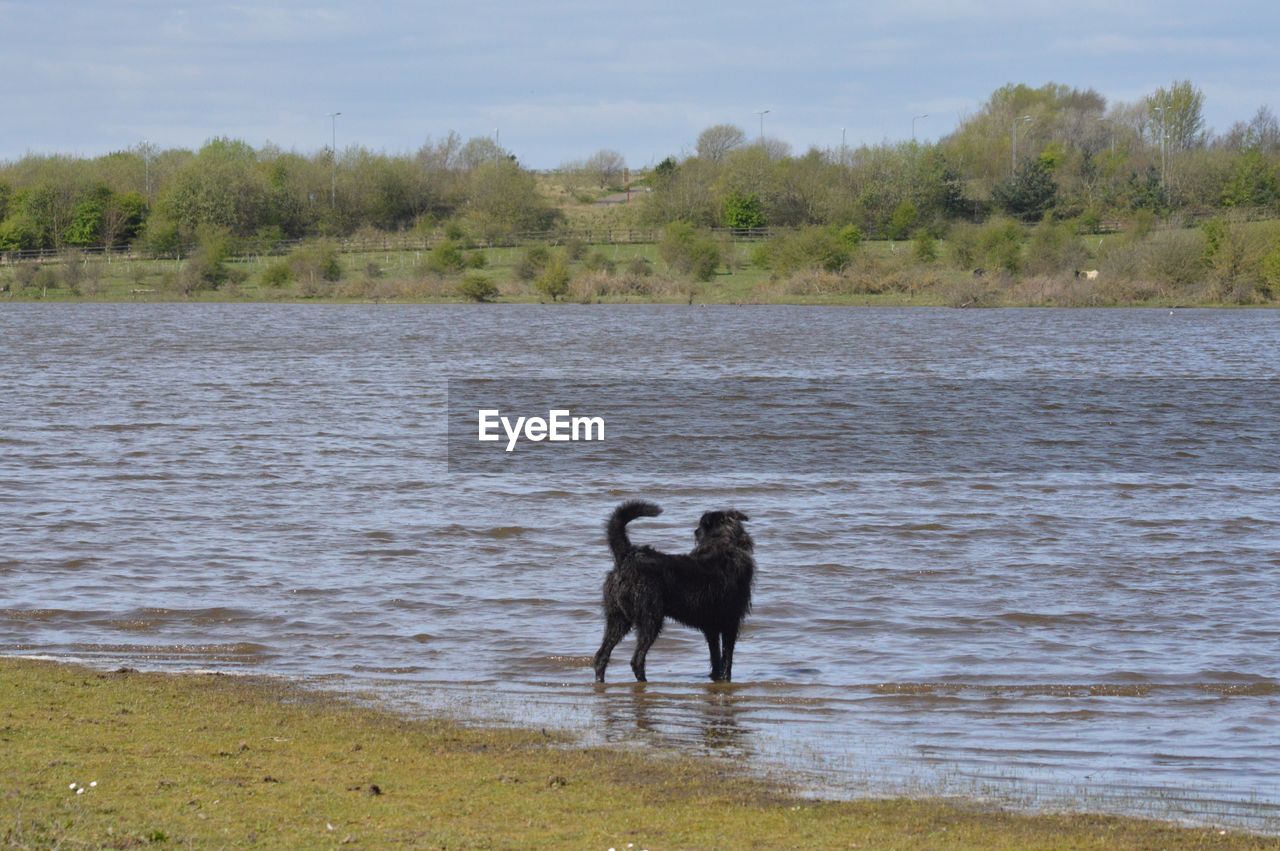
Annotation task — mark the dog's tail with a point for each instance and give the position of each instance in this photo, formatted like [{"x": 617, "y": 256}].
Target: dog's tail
[{"x": 617, "y": 525}]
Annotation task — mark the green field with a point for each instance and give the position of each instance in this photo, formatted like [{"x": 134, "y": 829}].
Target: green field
[{"x": 124, "y": 760}]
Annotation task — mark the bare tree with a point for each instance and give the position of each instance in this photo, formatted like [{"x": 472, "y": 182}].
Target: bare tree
[
  {"x": 718, "y": 140},
  {"x": 606, "y": 167}
]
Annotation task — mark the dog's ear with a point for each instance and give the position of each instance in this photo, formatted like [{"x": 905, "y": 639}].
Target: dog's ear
[{"x": 735, "y": 514}]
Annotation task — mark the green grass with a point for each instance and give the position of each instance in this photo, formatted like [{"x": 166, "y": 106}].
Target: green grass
[
  {"x": 403, "y": 276},
  {"x": 229, "y": 762}
]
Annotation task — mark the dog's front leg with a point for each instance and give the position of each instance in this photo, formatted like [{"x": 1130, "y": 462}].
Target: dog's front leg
[{"x": 713, "y": 645}]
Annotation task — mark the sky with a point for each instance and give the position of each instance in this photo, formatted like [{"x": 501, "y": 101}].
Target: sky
[{"x": 557, "y": 81}]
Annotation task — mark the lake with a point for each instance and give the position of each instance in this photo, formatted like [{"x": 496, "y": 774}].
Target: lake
[{"x": 1026, "y": 555}]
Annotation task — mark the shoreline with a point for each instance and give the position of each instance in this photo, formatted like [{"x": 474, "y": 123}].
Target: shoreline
[{"x": 256, "y": 761}]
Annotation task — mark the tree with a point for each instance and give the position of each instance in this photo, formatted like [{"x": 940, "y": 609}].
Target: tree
[
  {"x": 1030, "y": 194},
  {"x": 718, "y": 140},
  {"x": 503, "y": 198},
  {"x": 554, "y": 280},
  {"x": 743, "y": 211},
  {"x": 480, "y": 150},
  {"x": 606, "y": 167},
  {"x": 1179, "y": 112}
]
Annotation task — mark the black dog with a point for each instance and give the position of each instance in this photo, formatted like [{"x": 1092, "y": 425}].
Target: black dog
[{"x": 708, "y": 589}]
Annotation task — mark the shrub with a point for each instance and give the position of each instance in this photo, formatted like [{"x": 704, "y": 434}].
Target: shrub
[
  {"x": 477, "y": 287},
  {"x": 1000, "y": 243},
  {"x": 532, "y": 262},
  {"x": 925, "y": 248},
  {"x": 476, "y": 260},
  {"x": 446, "y": 257},
  {"x": 640, "y": 267},
  {"x": 743, "y": 211},
  {"x": 807, "y": 248},
  {"x": 554, "y": 280},
  {"x": 277, "y": 274},
  {"x": 206, "y": 268},
  {"x": 689, "y": 251},
  {"x": 314, "y": 262},
  {"x": 850, "y": 236},
  {"x": 575, "y": 249},
  {"x": 1055, "y": 247},
  {"x": 963, "y": 249},
  {"x": 1271, "y": 271},
  {"x": 598, "y": 261}
]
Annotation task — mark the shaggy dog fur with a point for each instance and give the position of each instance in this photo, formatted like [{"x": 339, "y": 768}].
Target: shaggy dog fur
[{"x": 709, "y": 589}]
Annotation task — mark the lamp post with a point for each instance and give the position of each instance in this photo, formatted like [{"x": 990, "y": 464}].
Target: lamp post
[
  {"x": 1023, "y": 120},
  {"x": 333, "y": 150},
  {"x": 1164, "y": 135},
  {"x": 915, "y": 118},
  {"x": 146, "y": 168},
  {"x": 762, "y": 113}
]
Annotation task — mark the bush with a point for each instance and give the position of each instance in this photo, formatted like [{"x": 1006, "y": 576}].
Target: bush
[
  {"x": 962, "y": 247},
  {"x": 476, "y": 260},
  {"x": 1271, "y": 271},
  {"x": 925, "y": 248},
  {"x": 807, "y": 248},
  {"x": 554, "y": 280},
  {"x": 743, "y": 211},
  {"x": 640, "y": 267},
  {"x": 850, "y": 236},
  {"x": 477, "y": 287},
  {"x": 446, "y": 258},
  {"x": 1000, "y": 244},
  {"x": 689, "y": 251},
  {"x": 314, "y": 262},
  {"x": 277, "y": 274},
  {"x": 206, "y": 268},
  {"x": 532, "y": 262},
  {"x": 575, "y": 249},
  {"x": 1055, "y": 247},
  {"x": 598, "y": 261}
]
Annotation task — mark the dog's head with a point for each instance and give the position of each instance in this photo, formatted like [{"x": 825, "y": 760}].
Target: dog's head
[{"x": 723, "y": 529}]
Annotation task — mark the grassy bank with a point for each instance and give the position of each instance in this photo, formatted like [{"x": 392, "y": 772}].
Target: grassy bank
[
  {"x": 1167, "y": 268},
  {"x": 215, "y": 761}
]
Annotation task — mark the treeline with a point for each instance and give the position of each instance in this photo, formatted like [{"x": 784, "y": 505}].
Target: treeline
[
  {"x": 168, "y": 199},
  {"x": 1030, "y": 153}
]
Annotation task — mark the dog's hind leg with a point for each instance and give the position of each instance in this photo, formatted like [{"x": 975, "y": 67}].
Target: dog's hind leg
[
  {"x": 615, "y": 627},
  {"x": 730, "y": 636},
  {"x": 713, "y": 644},
  {"x": 646, "y": 633}
]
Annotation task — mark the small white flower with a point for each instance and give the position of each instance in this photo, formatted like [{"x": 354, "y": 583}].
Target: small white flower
[
  {"x": 72, "y": 786},
  {"x": 326, "y": 824},
  {"x": 93, "y": 783},
  {"x": 80, "y": 791}
]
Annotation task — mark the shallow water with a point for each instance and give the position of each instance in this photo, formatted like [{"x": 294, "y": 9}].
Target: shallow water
[{"x": 1015, "y": 599}]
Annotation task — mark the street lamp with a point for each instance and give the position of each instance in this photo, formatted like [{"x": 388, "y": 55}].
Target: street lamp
[
  {"x": 914, "y": 118},
  {"x": 333, "y": 149},
  {"x": 1164, "y": 136},
  {"x": 762, "y": 113},
  {"x": 1023, "y": 120}
]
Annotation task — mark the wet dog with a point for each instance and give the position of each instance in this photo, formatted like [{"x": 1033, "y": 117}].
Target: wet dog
[{"x": 709, "y": 589}]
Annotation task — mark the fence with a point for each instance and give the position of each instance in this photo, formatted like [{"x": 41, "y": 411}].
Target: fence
[{"x": 359, "y": 243}]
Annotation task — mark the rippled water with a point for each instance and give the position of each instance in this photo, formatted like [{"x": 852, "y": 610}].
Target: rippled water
[{"x": 1082, "y": 621}]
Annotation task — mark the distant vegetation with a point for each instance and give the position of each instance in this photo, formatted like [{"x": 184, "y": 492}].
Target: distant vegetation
[{"x": 1186, "y": 201}]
